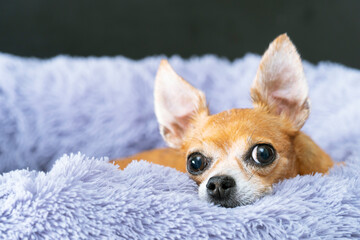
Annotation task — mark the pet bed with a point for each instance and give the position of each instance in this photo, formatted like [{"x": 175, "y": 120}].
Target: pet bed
[{"x": 103, "y": 107}]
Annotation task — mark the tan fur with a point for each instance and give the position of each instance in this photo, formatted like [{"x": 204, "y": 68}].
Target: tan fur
[
  {"x": 163, "y": 156},
  {"x": 281, "y": 107}
]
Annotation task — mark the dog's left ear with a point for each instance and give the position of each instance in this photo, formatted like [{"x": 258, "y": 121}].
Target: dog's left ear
[{"x": 280, "y": 85}]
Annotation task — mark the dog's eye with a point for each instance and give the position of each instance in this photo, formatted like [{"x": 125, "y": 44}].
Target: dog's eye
[
  {"x": 196, "y": 163},
  {"x": 263, "y": 154}
]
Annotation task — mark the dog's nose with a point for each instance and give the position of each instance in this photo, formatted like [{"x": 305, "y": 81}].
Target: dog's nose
[{"x": 220, "y": 187}]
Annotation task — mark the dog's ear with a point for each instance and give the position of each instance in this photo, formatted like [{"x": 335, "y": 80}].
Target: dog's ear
[
  {"x": 177, "y": 103},
  {"x": 280, "y": 85}
]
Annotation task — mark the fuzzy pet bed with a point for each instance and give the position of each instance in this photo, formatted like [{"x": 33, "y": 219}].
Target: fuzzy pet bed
[{"x": 104, "y": 107}]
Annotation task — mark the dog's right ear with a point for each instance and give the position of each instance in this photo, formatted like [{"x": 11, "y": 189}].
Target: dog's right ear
[{"x": 177, "y": 103}]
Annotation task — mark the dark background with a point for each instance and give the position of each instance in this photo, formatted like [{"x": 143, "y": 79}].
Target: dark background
[{"x": 321, "y": 29}]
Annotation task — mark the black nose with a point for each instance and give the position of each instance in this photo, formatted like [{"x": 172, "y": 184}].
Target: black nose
[{"x": 220, "y": 187}]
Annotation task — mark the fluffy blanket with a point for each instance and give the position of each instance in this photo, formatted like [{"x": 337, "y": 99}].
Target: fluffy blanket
[{"x": 104, "y": 107}]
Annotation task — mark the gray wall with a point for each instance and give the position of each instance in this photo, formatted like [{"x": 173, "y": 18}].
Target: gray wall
[{"x": 322, "y": 30}]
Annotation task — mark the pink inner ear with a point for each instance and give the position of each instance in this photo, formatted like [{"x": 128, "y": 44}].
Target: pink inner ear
[
  {"x": 288, "y": 95},
  {"x": 183, "y": 121},
  {"x": 180, "y": 104},
  {"x": 176, "y": 102},
  {"x": 282, "y": 105},
  {"x": 295, "y": 111}
]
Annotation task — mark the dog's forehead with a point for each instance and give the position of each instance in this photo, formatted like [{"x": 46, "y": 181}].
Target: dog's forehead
[{"x": 230, "y": 126}]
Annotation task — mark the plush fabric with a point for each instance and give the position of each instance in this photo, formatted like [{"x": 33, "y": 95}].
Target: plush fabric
[
  {"x": 91, "y": 199},
  {"x": 104, "y": 107}
]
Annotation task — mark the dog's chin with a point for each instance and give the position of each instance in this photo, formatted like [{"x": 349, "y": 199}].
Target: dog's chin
[
  {"x": 229, "y": 203},
  {"x": 235, "y": 201}
]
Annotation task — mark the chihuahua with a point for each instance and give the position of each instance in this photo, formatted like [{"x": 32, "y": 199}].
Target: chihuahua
[{"x": 236, "y": 156}]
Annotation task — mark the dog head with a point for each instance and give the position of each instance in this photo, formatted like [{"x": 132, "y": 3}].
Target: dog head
[{"x": 237, "y": 155}]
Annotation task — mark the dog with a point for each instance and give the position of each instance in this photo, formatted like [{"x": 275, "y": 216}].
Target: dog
[{"x": 236, "y": 156}]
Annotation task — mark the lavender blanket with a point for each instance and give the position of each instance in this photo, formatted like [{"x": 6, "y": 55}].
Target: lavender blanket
[{"x": 104, "y": 107}]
